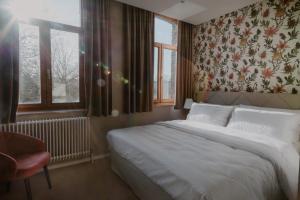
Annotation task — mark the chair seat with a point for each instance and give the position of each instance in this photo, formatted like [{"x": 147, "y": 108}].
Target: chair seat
[{"x": 28, "y": 165}]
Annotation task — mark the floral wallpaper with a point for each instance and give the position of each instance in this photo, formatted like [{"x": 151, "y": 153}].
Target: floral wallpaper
[{"x": 254, "y": 49}]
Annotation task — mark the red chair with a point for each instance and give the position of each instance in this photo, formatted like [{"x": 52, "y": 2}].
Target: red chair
[{"x": 22, "y": 157}]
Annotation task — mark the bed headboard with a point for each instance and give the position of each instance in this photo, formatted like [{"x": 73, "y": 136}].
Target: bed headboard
[{"x": 280, "y": 100}]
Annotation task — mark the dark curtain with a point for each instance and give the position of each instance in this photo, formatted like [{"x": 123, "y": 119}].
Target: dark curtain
[
  {"x": 9, "y": 66},
  {"x": 97, "y": 56},
  {"x": 184, "y": 88},
  {"x": 139, "y": 48}
]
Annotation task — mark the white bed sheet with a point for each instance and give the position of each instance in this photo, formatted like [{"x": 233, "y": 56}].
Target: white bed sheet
[{"x": 193, "y": 161}]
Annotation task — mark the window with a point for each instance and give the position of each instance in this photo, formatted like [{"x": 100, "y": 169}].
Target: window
[
  {"x": 165, "y": 61},
  {"x": 50, "y": 58}
]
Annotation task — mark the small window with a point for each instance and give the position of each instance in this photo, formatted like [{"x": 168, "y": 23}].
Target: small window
[
  {"x": 65, "y": 66},
  {"x": 30, "y": 73},
  {"x": 50, "y": 60},
  {"x": 169, "y": 73},
  {"x": 165, "y": 61}
]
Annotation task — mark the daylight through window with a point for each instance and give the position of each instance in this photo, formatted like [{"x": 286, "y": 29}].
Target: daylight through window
[
  {"x": 165, "y": 60},
  {"x": 50, "y": 59}
]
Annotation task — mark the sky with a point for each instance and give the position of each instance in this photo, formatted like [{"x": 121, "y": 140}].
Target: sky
[{"x": 163, "y": 34}]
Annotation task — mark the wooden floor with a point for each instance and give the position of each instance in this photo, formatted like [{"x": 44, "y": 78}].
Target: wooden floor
[{"x": 80, "y": 182}]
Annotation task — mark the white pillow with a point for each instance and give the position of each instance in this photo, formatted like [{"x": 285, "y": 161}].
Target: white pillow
[
  {"x": 210, "y": 113},
  {"x": 269, "y": 109},
  {"x": 276, "y": 123}
]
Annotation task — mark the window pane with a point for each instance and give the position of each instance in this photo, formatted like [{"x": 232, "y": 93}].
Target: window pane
[
  {"x": 61, "y": 11},
  {"x": 165, "y": 32},
  {"x": 155, "y": 73},
  {"x": 169, "y": 73},
  {"x": 65, "y": 66},
  {"x": 30, "y": 84}
]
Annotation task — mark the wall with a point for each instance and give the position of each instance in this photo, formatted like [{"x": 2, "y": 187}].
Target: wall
[
  {"x": 254, "y": 49},
  {"x": 100, "y": 125}
]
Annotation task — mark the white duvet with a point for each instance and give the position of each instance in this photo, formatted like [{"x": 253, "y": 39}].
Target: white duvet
[{"x": 194, "y": 161}]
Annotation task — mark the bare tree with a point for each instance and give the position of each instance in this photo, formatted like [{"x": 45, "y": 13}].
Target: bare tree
[{"x": 65, "y": 64}]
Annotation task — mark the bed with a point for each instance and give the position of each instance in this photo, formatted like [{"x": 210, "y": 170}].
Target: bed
[{"x": 199, "y": 159}]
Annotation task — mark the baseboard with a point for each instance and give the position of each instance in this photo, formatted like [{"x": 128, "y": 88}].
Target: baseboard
[{"x": 76, "y": 162}]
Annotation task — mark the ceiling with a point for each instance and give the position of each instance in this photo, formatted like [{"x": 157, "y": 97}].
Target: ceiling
[{"x": 191, "y": 11}]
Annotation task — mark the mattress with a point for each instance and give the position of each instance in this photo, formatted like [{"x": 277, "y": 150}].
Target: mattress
[{"x": 188, "y": 163}]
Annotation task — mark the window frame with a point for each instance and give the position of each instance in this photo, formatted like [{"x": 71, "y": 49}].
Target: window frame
[
  {"x": 161, "y": 46},
  {"x": 45, "y": 28}
]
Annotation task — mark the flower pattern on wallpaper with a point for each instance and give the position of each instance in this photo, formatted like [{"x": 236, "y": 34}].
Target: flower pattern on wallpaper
[{"x": 254, "y": 49}]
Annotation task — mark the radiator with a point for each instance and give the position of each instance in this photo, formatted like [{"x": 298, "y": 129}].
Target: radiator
[{"x": 66, "y": 139}]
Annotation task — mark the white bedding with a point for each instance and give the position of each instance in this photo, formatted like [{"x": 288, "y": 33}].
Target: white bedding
[{"x": 194, "y": 161}]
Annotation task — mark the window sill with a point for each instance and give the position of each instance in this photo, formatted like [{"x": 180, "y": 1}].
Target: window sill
[
  {"x": 163, "y": 104},
  {"x": 48, "y": 114}
]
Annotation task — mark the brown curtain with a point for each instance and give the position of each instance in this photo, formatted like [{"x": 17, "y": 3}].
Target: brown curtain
[
  {"x": 9, "y": 66},
  {"x": 184, "y": 87},
  {"x": 139, "y": 48},
  {"x": 97, "y": 56}
]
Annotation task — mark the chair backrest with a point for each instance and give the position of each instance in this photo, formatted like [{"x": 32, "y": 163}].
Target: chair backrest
[
  {"x": 15, "y": 144},
  {"x": 12, "y": 143}
]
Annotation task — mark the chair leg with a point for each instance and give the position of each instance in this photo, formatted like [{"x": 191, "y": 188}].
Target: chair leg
[
  {"x": 8, "y": 184},
  {"x": 47, "y": 177},
  {"x": 28, "y": 189}
]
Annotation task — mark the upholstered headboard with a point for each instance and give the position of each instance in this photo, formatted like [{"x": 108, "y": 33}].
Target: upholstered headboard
[{"x": 279, "y": 100}]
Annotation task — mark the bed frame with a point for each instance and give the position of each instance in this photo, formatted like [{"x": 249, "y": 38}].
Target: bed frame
[
  {"x": 279, "y": 100},
  {"x": 143, "y": 186}
]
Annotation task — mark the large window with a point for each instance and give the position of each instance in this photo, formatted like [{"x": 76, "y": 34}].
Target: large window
[
  {"x": 165, "y": 60},
  {"x": 50, "y": 55}
]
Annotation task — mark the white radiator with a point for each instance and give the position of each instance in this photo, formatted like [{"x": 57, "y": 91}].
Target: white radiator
[{"x": 66, "y": 139}]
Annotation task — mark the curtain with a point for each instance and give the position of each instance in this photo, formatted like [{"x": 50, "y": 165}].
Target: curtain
[
  {"x": 184, "y": 88},
  {"x": 139, "y": 50},
  {"x": 97, "y": 56},
  {"x": 9, "y": 66}
]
